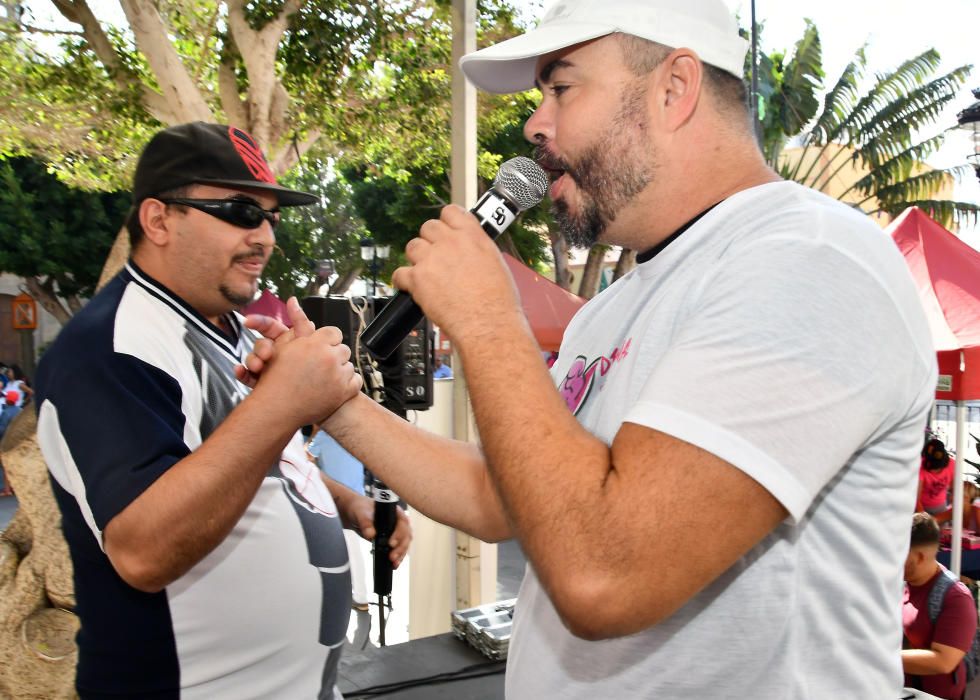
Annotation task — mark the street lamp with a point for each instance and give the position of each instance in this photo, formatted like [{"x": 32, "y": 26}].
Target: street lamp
[
  {"x": 969, "y": 121},
  {"x": 374, "y": 256}
]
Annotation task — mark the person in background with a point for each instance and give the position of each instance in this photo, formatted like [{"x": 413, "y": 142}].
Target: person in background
[
  {"x": 440, "y": 369},
  {"x": 933, "y": 649},
  {"x": 9, "y": 412},
  {"x": 17, "y": 381},
  {"x": 971, "y": 501},
  {"x": 341, "y": 466},
  {"x": 935, "y": 476}
]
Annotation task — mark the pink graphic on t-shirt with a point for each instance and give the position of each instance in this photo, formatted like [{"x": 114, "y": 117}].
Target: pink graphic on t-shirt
[{"x": 577, "y": 384}]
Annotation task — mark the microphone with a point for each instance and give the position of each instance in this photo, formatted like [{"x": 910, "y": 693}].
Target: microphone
[
  {"x": 385, "y": 519},
  {"x": 520, "y": 184}
]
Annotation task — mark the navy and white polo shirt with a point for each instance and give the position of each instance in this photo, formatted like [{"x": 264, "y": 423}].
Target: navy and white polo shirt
[{"x": 134, "y": 383}]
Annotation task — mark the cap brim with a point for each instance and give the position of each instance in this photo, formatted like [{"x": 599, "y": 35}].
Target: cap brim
[
  {"x": 510, "y": 65},
  {"x": 285, "y": 197}
]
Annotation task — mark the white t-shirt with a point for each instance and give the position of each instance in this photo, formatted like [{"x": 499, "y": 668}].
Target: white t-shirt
[{"x": 782, "y": 333}]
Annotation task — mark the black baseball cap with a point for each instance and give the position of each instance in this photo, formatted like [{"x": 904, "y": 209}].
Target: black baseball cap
[{"x": 208, "y": 154}]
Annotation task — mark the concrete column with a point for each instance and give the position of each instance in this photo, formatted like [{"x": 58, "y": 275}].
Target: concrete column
[{"x": 476, "y": 561}]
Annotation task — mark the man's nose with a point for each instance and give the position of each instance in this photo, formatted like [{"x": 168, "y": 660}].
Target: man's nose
[{"x": 539, "y": 128}]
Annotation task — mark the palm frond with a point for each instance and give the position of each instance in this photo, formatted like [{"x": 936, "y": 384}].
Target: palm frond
[
  {"x": 802, "y": 77},
  {"x": 887, "y": 88},
  {"x": 893, "y": 127},
  {"x": 947, "y": 212},
  {"x": 838, "y": 106},
  {"x": 917, "y": 187},
  {"x": 839, "y": 100},
  {"x": 898, "y": 167}
]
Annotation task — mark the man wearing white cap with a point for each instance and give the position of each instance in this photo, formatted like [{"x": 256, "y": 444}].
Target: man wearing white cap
[{"x": 769, "y": 352}]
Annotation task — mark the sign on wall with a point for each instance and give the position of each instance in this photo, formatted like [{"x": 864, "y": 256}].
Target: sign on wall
[{"x": 24, "y": 313}]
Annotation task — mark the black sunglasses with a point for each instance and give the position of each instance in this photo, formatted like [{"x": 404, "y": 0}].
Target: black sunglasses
[{"x": 237, "y": 212}]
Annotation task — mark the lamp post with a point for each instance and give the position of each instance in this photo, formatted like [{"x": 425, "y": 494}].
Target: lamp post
[
  {"x": 969, "y": 121},
  {"x": 374, "y": 256}
]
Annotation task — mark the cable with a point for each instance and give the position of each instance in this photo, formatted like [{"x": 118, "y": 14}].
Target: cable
[
  {"x": 373, "y": 382},
  {"x": 475, "y": 671}
]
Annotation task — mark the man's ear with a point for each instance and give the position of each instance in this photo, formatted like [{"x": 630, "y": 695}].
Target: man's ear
[
  {"x": 681, "y": 79},
  {"x": 155, "y": 221}
]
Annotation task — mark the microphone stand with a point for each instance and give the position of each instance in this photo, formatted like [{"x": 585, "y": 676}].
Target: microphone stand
[{"x": 385, "y": 518}]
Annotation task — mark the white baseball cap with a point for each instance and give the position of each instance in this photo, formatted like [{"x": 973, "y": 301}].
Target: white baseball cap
[{"x": 705, "y": 26}]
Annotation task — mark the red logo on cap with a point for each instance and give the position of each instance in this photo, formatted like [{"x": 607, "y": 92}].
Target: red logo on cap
[{"x": 251, "y": 155}]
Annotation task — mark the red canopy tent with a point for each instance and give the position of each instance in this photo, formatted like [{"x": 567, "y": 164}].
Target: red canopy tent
[
  {"x": 947, "y": 273},
  {"x": 268, "y": 304},
  {"x": 547, "y": 306}
]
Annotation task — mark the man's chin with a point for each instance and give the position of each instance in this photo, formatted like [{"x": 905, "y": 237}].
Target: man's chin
[
  {"x": 577, "y": 231},
  {"x": 239, "y": 297}
]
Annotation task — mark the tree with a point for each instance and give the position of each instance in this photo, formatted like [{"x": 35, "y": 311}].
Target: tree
[
  {"x": 330, "y": 230},
  {"x": 863, "y": 148},
  {"x": 339, "y": 74},
  {"x": 394, "y": 201},
  {"x": 54, "y": 236}
]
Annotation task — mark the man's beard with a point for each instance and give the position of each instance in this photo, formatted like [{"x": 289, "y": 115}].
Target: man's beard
[
  {"x": 234, "y": 298},
  {"x": 608, "y": 175}
]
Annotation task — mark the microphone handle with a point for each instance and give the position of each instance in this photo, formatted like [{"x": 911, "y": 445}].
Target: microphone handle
[
  {"x": 390, "y": 327},
  {"x": 385, "y": 517},
  {"x": 495, "y": 212}
]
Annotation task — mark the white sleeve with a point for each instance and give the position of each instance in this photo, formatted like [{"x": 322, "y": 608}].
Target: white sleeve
[{"x": 794, "y": 355}]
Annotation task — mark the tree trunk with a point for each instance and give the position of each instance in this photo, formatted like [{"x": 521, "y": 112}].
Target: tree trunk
[
  {"x": 506, "y": 244},
  {"x": 48, "y": 300},
  {"x": 590, "y": 273},
  {"x": 343, "y": 282},
  {"x": 559, "y": 251},
  {"x": 118, "y": 255},
  {"x": 626, "y": 262}
]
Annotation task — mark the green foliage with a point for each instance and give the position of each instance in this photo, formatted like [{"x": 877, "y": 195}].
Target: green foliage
[
  {"x": 47, "y": 110},
  {"x": 877, "y": 130},
  {"x": 329, "y": 230},
  {"x": 53, "y": 232},
  {"x": 373, "y": 78},
  {"x": 788, "y": 89},
  {"x": 399, "y": 172}
]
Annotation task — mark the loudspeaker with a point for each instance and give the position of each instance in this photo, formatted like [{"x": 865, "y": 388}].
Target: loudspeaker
[
  {"x": 407, "y": 371},
  {"x": 336, "y": 311}
]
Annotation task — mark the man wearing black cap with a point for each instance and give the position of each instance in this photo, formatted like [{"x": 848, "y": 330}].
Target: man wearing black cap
[{"x": 208, "y": 554}]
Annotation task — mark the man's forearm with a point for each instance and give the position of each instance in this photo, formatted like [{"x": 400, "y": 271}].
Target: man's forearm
[
  {"x": 345, "y": 499},
  {"x": 192, "y": 507},
  {"x": 444, "y": 479},
  {"x": 928, "y": 662}
]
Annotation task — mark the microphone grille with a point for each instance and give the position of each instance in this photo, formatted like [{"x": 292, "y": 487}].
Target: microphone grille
[{"x": 523, "y": 181}]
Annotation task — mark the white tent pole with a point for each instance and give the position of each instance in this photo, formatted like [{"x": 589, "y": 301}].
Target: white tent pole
[{"x": 957, "y": 544}]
